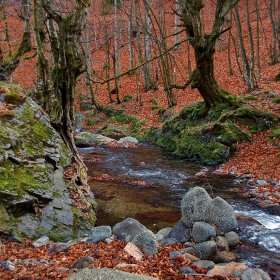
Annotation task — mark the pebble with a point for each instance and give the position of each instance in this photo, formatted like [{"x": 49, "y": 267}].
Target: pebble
[
  {"x": 261, "y": 182},
  {"x": 174, "y": 254},
  {"x": 8, "y": 265}
]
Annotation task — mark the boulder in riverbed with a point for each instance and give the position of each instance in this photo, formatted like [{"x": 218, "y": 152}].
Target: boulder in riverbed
[{"x": 198, "y": 206}]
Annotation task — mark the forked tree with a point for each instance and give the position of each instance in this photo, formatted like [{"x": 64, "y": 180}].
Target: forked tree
[{"x": 204, "y": 45}]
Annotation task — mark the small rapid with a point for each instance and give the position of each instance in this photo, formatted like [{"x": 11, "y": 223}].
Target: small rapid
[{"x": 148, "y": 184}]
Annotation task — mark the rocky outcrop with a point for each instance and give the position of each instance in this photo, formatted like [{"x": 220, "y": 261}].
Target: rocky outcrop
[{"x": 34, "y": 199}]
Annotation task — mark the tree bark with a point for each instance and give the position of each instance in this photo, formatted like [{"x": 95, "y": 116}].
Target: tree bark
[{"x": 64, "y": 33}]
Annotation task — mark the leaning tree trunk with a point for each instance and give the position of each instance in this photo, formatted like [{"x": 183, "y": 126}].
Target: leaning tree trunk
[
  {"x": 68, "y": 63},
  {"x": 203, "y": 78}
]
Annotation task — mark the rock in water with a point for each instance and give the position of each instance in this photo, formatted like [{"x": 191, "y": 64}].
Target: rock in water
[
  {"x": 198, "y": 206},
  {"x": 194, "y": 205},
  {"x": 220, "y": 213}
]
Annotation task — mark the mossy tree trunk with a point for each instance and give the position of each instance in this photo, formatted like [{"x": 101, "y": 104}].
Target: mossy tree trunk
[
  {"x": 204, "y": 45},
  {"x": 59, "y": 83}
]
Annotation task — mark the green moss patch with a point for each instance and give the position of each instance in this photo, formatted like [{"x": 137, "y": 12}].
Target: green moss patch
[{"x": 210, "y": 139}]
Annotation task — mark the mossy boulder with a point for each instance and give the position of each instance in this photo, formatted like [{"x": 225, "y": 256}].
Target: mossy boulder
[
  {"x": 34, "y": 199},
  {"x": 209, "y": 139},
  {"x": 88, "y": 139}
]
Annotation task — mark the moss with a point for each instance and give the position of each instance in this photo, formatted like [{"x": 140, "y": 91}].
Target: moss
[
  {"x": 250, "y": 98},
  {"x": 277, "y": 78},
  {"x": 276, "y": 133},
  {"x": 86, "y": 106},
  {"x": 18, "y": 178},
  {"x": 14, "y": 98},
  {"x": 92, "y": 122},
  {"x": 80, "y": 220},
  {"x": 161, "y": 111},
  {"x": 277, "y": 100},
  {"x": 13, "y": 94},
  {"x": 127, "y": 97},
  {"x": 211, "y": 138},
  {"x": 56, "y": 237}
]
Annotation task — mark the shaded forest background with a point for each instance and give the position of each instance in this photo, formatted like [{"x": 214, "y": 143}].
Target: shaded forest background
[{"x": 122, "y": 35}]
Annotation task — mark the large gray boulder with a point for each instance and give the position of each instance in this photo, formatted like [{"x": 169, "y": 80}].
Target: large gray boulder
[
  {"x": 220, "y": 213},
  {"x": 128, "y": 139},
  {"x": 88, "y": 139},
  {"x": 194, "y": 205},
  {"x": 127, "y": 229},
  {"x": 105, "y": 274},
  {"x": 197, "y": 206},
  {"x": 34, "y": 198},
  {"x": 251, "y": 274}
]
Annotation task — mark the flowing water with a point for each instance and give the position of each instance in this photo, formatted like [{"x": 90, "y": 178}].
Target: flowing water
[{"x": 148, "y": 184}]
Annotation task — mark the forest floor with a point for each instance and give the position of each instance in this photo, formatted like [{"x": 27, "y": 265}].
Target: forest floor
[{"x": 258, "y": 157}]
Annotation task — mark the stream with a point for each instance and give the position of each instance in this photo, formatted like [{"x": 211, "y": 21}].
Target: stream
[{"x": 147, "y": 184}]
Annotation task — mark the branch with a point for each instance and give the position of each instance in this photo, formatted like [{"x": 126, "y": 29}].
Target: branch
[
  {"x": 193, "y": 81},
  {"x": 220, "y": 33},
  {"x": 137, "y": 66},
  {"x": 54, "y": 15},
  {"x": 171, "y": 86},
  {"x": 29, "y": 56}
]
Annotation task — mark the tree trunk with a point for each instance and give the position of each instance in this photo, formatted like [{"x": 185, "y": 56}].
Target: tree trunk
[
  {"x": 204, "y": 80},
  {"x": 69, "y": 62},
  {"x": 204, "y": 46}
]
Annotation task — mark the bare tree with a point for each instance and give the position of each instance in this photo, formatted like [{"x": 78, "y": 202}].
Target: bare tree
[{"x": 9, "y": 63}]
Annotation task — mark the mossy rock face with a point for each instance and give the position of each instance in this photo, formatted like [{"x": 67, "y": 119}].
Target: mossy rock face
[
  {"x": 12, "y": 94},
  {"x": 34, "y": 199},
  {"x": 210, "y": 139}
]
